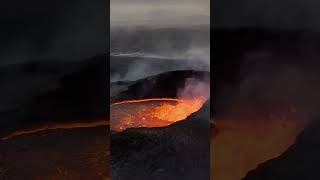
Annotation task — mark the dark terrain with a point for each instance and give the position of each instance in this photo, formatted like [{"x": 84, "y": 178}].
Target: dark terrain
[{"x": 179, "y": 151}]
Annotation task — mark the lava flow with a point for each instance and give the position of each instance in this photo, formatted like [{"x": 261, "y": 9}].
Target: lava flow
[
  {"x": 154, "y": 112},
  {"x": 54, "y": 126}
]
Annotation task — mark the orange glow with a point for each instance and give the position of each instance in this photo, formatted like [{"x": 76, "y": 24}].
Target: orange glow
[
  {"x": 53, "y": 126},
  {"x": 239, "y": 145},
  {"x": 146, "y": 100},
  {"x": 154, "y": 112}
]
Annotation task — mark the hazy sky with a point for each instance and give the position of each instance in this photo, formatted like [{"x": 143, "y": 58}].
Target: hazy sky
[{"x": 159, "y": 12}]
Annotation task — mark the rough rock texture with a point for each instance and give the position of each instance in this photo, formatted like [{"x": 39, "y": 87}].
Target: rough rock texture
[{"x": 179, "y": 151}]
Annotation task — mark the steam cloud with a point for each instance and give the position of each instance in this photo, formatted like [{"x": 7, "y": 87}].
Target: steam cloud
[
  {"x": 194, "y": 88},
  {"x": 153, "y": 51}
]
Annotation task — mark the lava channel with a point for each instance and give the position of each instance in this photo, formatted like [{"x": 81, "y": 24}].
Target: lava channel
[
  {"x": 54, "y": 126},
  {"x": 154, "y": 112}
]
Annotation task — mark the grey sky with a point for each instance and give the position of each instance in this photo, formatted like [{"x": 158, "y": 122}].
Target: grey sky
[{"x": 160, "y": 12}]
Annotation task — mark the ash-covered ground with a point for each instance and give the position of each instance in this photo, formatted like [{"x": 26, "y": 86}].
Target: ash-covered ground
[{"x": 179, "y": 151}]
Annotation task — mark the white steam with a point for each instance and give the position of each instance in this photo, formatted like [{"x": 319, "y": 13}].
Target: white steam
[
  {"x": 195, "y": 58},
  {"x": 195, "y": 88}
]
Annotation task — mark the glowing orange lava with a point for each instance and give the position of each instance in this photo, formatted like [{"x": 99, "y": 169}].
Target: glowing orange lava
[
  {"x": 154, "y": 112},
  {"x": 53, "y": 126}
]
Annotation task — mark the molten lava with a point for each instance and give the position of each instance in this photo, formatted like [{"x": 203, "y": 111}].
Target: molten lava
[
  {"x": 154, "y": 112},
  {"x": 53, "y": 126}
]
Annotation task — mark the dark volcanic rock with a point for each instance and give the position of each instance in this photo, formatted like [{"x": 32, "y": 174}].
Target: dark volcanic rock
[
  {"x": 179, "y": 151},
  {"x": 300, "y": 161}
]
